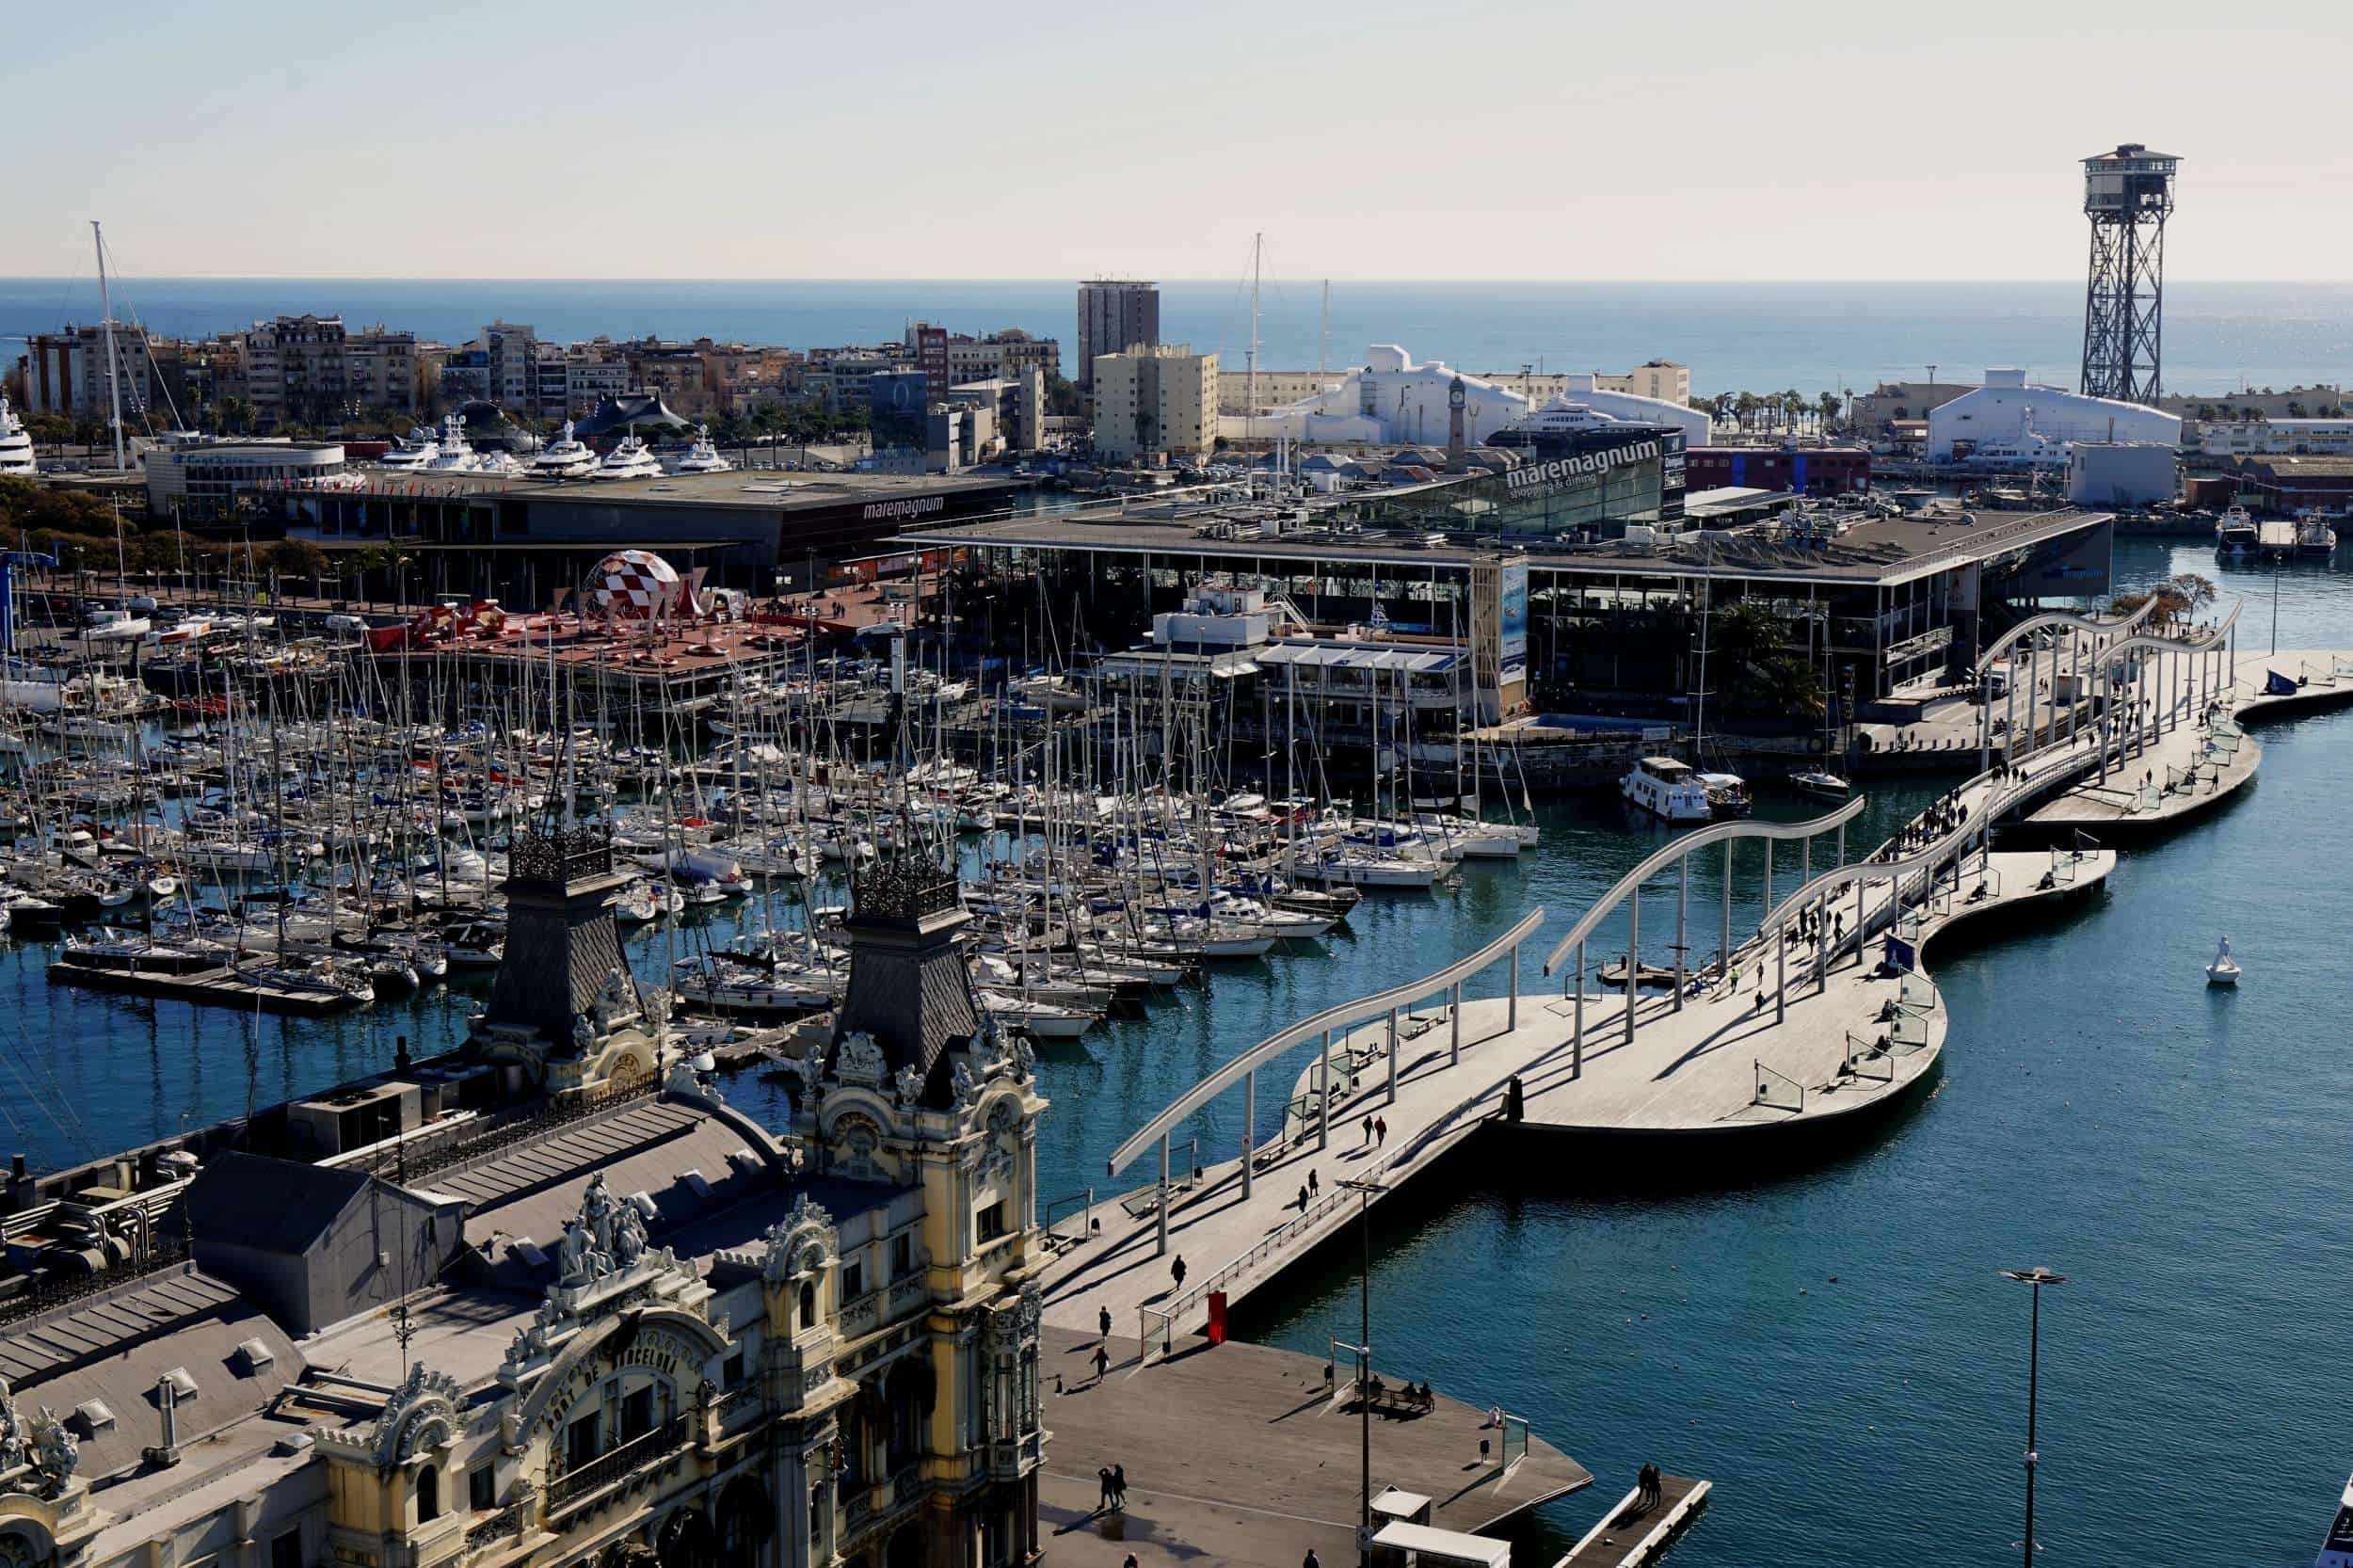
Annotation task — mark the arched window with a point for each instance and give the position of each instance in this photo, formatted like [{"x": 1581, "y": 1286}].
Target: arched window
[
  {"x": 809, "y": 1305},
  {"x": 428, "y": 1493}
]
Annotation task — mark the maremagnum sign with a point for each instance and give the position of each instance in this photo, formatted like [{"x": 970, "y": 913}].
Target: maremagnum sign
[{"x": 1539, "y": 478}]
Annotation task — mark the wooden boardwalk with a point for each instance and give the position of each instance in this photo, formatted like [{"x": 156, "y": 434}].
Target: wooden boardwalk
[
  {"x": 2177, "y": 778},
  {"x": 1692, "y": 1072}
]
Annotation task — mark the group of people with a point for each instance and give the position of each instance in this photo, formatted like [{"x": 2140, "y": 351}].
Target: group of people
[
  {"x": 1376, "y": 1131},
  {"x": 1309, "y": 1192},
  {"x": 1115, "y": 1479}
]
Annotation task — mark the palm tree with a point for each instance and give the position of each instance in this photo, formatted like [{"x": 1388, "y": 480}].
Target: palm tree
[{"x": 1827, "y": 405}]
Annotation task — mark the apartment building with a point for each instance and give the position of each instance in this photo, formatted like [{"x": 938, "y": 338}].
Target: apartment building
[{"x": 1155, "y": 399}]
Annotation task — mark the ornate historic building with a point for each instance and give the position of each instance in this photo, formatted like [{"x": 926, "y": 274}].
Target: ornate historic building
[{"x": 618, "y": 1323}]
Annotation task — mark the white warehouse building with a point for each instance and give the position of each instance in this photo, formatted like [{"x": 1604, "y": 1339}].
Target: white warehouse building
[
  {"x": 1391, "y": 399},
  {"x": 2006, "y": 414}
]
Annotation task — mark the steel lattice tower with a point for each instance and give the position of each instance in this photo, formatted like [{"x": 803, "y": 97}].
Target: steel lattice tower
[{"x": 2128, "y": 195}]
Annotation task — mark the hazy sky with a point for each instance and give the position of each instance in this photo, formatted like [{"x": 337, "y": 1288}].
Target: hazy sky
[{"x": 1620, "y": 140}]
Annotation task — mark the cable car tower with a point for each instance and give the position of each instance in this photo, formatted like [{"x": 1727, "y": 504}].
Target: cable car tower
[{"x": 2128, "y": 195}]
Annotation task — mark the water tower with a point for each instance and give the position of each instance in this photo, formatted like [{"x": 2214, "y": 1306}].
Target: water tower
[{"x": 2127, "y": 195}]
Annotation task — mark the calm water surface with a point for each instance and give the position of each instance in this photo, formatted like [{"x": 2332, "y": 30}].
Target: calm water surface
[{"x": 2180, "y": 1154}]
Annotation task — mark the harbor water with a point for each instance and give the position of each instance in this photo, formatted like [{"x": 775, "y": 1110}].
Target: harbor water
[{"x": 1831, "y": 1343}]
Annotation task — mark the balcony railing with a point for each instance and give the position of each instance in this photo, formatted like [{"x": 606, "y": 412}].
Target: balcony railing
[
  {"x": 508, "y": 1522},
  {"x": 636, "y": 1454}
]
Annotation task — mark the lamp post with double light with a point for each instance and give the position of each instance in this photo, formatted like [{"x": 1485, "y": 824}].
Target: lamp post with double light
[{"x": 2034, "y": 1279}]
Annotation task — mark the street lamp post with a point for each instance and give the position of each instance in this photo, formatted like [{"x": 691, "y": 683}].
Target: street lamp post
[
  {"x": 1364, "y": 1190},
  {"x": 2035, "y": 1279}
]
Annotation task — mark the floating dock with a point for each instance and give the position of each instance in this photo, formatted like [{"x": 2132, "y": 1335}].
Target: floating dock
[
  {"x": 1630, "y": 1534},
  {"x": 217, "y": 987}
]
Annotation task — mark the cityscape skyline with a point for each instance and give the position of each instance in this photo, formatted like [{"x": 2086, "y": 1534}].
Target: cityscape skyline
[{"x": 1591, "y": 149}]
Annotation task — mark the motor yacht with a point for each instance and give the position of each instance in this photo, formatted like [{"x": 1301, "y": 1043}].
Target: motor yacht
[
  {"x": 1822, "y": 784},
  {"x": 564, "y": 458},
  {"x": 2235, "y": 531},
  {"x": 415, "y": 451},
  {"x": 2336, "y": 1548},
  {"x": 16, "y": 444},
  {"x": 631, "y": 458},
  {"x": 701, "y": 457},
  {"x": 453, "y": 455},
  {"x": 1668, "y": 790},
  {"x": 2314, "y": 535},
  {"x": 1727, "y": 793}
]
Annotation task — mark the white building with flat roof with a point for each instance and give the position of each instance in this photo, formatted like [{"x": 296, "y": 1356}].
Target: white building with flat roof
[{"x": 2008, "y": 414}]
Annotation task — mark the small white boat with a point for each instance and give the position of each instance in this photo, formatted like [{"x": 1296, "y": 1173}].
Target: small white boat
[
  {"x": 1820, "y": 783},
  {"x": 2224, "y": 971},
  {"x": 16, "y": 447},
  {"x": 1041, "y": 1019},
  {"x": 2336, "y": 1547}
]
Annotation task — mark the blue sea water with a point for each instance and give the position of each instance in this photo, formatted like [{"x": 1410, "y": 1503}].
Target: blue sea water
[
  {"x": 2180, "y": 1154},
  {"x": 1756, "y": 336}
]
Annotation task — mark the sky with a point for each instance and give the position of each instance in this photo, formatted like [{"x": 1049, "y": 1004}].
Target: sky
[{"x": 1711, "y": 139}]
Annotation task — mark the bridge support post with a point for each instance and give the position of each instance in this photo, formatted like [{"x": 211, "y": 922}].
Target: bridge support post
[
  {"x": 1511, "y": 1003},
  {"x": 1683, "y": 906},
  {"x": 1392, "y": 1100},
  {"x": 1323, "y": 1095},
  {"x": 1723, "y": 946},
  {"x": 1842, "y": 841},
  {"x": 1781, "y": 976},
  {"x": 1159, "y": 1209},
  {"x": 1454, "y": 1012},
  {"x": 1249, "y": 1129},
  {"x": 1633, "y": 959},
  {"x": 1577, "y": 1025}
]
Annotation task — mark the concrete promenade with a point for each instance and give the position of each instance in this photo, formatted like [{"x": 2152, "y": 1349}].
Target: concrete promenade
[{"x": 1243, "y": 1455}]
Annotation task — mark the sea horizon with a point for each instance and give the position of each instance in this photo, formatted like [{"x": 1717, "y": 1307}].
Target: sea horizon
[{"x": 1817, "y": 336}]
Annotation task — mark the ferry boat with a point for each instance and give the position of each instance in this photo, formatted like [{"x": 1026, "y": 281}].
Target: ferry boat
[
  {"x": 416, "y": 450},
  {"x": 701, "y": 457},
  {"x": 2235, "y": 531},
  {"x": 16, "y": 444},
  {"x": 631, "y": 460},
  {"x": 2314, "y": 535},
  {"x": 564, "y": 458},
  {"x": 1668, "y": 790}
]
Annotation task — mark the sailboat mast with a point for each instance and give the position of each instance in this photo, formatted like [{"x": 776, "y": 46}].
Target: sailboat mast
[
  {"x": 1257, "y": 257},
  {"x": 1324, "y": 354},
  {"x": 106, "y": 324}
]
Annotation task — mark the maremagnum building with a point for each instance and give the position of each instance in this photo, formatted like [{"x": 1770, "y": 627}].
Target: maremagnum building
[
  {"x": 549, "y": 1302},
  {"x": 1581, "y": 581}
]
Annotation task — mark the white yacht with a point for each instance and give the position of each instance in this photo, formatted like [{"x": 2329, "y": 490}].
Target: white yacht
[
  {"x": 564, "y": 458},
  {"x": 631, "y": 460},
  {"x": 1668, "y": 790},
  {"x": 416, "y": 450},
  {"x": 2336, "y": 1548},
  {"x": 455, "y": 455},
  {"x": 701, "y": 457},
  {"x": 16, "y": 445}
]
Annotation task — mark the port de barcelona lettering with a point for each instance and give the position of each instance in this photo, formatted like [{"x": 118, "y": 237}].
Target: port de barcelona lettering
[{"x": 1553, "y": 471}]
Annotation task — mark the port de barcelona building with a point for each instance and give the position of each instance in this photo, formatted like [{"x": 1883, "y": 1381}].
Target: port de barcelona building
[{"x": 549, "y": 1302}]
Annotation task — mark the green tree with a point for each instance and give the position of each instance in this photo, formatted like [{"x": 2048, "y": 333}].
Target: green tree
[{"x": 1753, "y": 669}]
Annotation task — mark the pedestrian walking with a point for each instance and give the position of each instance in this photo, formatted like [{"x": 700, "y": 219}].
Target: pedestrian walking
[
  {"x": 1368, "y": 1130},
  {"x": 1381, "y": 1130},
  {"x": 1302, "y": 1197},
  {"x": 1311, "y": 1184},
  {"x": 1119, "y": 1486},
  {"x": 1102, "y": 1363},
  {"x": 1311, "y": 1560},
  {"x": 1103, "y": 1320},
  {"x": 1103, "y": 1476},
  {"x": 1177, "y": 1270}
]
